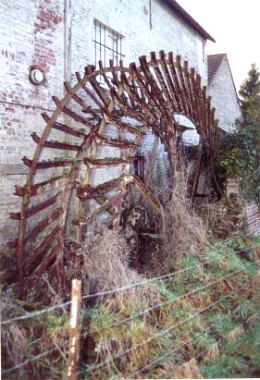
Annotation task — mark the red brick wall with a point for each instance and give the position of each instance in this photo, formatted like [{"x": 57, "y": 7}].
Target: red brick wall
[{"x": 32, "y": 34}]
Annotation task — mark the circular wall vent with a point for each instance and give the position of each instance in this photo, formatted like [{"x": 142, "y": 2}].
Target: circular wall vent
[{"x": 36, "y": 76}]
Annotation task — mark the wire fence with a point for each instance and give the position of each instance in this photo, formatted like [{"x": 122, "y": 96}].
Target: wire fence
[
  {"x": 167, "y": 354},
  {"x": 137, "y": 315},
  {"x": 28, "y": 361},
  {"x": 155, "y": 336},
  {"x": 124, "y": 288},
  {"x": 159, "y": 334}
]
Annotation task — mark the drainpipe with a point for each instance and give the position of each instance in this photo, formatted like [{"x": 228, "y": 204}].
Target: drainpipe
[
  {"x": 67, "y": 40},
  {"x": 150, "y": 13}
]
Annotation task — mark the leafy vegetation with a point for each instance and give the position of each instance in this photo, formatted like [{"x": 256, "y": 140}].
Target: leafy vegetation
[
  {"x": 164, "y": 327},
  {"x": 240, "y": 359},
  {"x": 157, "y": 330},
  {"x": 239, "y": 153}
]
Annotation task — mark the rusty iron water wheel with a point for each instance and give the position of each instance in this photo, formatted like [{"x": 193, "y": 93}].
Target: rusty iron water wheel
[{"x": 83, "y": 163}]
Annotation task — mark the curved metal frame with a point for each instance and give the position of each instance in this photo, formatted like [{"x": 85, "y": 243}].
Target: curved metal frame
[{"x": 150, "y": 94}]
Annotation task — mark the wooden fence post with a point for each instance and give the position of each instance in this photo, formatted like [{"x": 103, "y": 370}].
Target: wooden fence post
[{"x": 74, "y": 329}]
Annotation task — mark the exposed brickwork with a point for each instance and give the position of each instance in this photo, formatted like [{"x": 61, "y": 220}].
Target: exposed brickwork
[
  {"x": 47, "y": 19},
  {"x": 57, "y": 37},
  {"x": 253, "y": 219}
]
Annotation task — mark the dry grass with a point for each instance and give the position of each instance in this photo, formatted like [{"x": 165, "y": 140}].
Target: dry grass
[
  {"x": 13, "y": 335},
  {"x": 106, "y": 265},
  {"x": 105, "y": 262},
  {"x": 23, "y": 340},
  {"x": 183, "y": 231},
  {"x": 232, "y": 335},
  {"x": 187, "y": 370},
  {"x": 225, "y": 217},
  {"x": 211, "y": 353}
]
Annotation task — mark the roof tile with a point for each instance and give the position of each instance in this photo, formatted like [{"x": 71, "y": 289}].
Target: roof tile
[{"x": 214, "y": 62}]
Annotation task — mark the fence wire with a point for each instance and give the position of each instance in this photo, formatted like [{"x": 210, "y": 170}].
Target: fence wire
[
  {"x": 124, "y": 288},
  {"x": 137, "y": 315},
  {"x": 33, "y": 359},
  {"x": 161, "y": 333},
  {"x": 155, "y": 336},
  {"x": 167, "y": 354}
]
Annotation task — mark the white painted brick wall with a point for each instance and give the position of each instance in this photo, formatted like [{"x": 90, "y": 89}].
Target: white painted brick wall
[
  {"x": 224, "y": 98},
  {"x": 132, "y": 20},
  {"x": 253, "y": 219},
  {"x": 36, "y": 32}
]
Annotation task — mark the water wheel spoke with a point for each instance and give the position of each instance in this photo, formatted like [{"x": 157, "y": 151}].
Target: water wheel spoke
[{"x": 112, "y": 118}]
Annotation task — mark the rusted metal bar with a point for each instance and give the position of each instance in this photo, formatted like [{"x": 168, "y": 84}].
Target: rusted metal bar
[
  {"x": 124, "y": 126},
  {"x": 49, "y": 164},
  {"x": 106, "y": 79},
  {"x": 147, "y": 194},
  {"x": 124, "y": 144},
  {"x": 40, "y": 227},
  {"x": 42, "y": 187},
  {"x": 63, "y": 127},
  {"x": 47, "y": 259},
  {"x": 99, "y": 163},
  {"x": 90, "y": 93},
  {"x": 72, "y": 114},
  {"x": 164, "y": 87},
  {"x": 192, "y": 104},
  {"x": 55, "y": 144},
  {"x": 70, "y": 131},
  {"x": 32, "y": 260},
  {"x": 98, "y": 90},
  {"x": 176, "y": 83},
  {"x": 35, "y": 209},
  {"x": 135, "y": 89},
  {"x": 85, "y": 108},
  {"x": 80, "y": 101},
  {"x": 116, "y": 80},
  {"x": 127, "y": 110},
  {"x": 199, "y": 105},
  {"x": 141, "y": 83},
  {"x": 156, "y": 94},
  {"x": 89, "y": 191},
  {"x": 194, "y": 96},
  {"x": 135, "y": 99},
  {"x": 151, "y": 116},
  {"x": 207, "y": 119},
  {"x": 186, "y": 79},
  {"x": 183, "y": 89},
  {"x": 106, "y": 205},
  {"x": 205, "y": 111},
  {"x": 170, "y": 83}
]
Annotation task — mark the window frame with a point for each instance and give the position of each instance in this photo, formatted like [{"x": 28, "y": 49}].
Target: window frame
[{"x": 106, "y": 50}]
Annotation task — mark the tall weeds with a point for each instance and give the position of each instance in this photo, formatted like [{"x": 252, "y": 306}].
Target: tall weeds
[
  {"x": 105, "y": 262},
  {"x": 183, "y": 231}
]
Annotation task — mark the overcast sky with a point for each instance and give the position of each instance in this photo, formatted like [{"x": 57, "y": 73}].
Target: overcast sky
[{"x": 235, "y": 25}]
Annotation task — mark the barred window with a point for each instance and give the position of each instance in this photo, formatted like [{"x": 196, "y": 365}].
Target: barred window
[{"x": 108, "y": 44}]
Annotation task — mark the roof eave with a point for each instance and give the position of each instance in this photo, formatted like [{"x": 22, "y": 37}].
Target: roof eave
[
  {"x": 229, "y": 68},
  {"x": 189, "y": 20}
]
